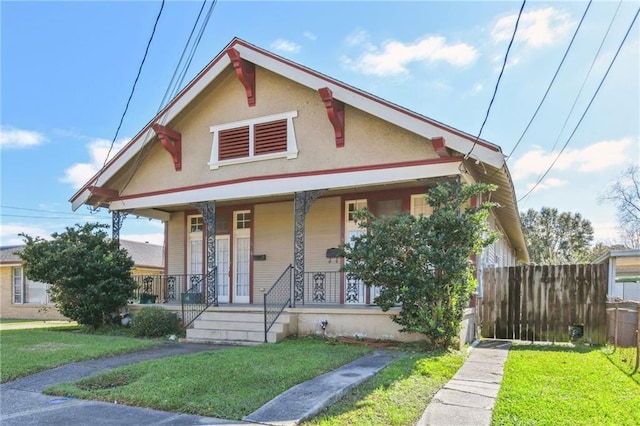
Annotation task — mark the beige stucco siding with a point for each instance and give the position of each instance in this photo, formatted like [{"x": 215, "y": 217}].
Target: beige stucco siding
[
  {"x": 176, "y": 235},
  {"x": 322, "y": 232},
  {"x": 368, "y": 140}
]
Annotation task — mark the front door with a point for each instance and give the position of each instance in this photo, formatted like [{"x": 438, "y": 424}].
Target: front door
[
  {"x": 223, "y": 267},
  {"x": 241, "y": 256},
  {"x": 354, "y": 290}
]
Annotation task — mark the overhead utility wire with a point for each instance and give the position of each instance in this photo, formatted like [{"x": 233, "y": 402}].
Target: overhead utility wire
[
  {"x": 586, "y": 77},
  {"x": 174, "y": 85},
  {"x": 495, "y": 90},
  {"x": 586, "y": 109},
  {"x": 133, "y": 88},
  {"x": 566, "y": 52}
]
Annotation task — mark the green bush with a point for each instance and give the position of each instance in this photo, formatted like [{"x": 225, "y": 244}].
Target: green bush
[{"x": 154, "y": 321}]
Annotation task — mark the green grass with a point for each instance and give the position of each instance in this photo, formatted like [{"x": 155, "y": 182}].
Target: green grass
[
  {"x": 563, "y": 385},
  {"x": 397, "y": 395},
  {"x": 625, "y": 360},
  {"x": 30, "y": 351},
  {"x": 228, "y": 383}
]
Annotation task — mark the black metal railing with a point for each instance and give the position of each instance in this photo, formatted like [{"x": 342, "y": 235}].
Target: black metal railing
[
  {"x": 196, "y": 300},
  {"x": 277, "y": 298},
  {"x": 322, "y": 287},
  {"x": 163, "y": 288}
]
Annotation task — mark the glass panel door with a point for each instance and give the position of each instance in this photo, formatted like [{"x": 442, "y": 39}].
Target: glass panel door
[
  {"x": 242, "y": 256},
  {"x": 223, "y": 267}
]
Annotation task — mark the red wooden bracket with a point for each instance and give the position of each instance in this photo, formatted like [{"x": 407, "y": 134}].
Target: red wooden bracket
[
  {"x": 440, "y": 147},
  {"x": 246, "y": 72},
  {"x": 172, "y": 143},
  {"x": 335, "y": 111},
  {"x": 103, "y": 192}
]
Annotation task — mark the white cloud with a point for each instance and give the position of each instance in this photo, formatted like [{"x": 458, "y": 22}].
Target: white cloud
[
  {"x": 537, "y": 28},
  {"x": 547, "y": 183},
  {"x": 9, "y": 233},
  {"x": 393, "y": 56},
  {"x": 358, "y": 38},
  {"x": 310, "y": 35},
  {"x": 11, "y": 137},
  {"x": 283, "y": 45},
  {"x": 79, "y": 173},
  {"x": 477, "y": 88},
  {"x": 598, "y": 156}
]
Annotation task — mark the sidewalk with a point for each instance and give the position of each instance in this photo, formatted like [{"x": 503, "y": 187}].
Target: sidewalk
[{"x": 468, "y": 398}]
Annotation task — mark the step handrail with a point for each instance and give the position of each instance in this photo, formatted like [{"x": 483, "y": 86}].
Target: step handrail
[
  {"x": 279, "y": 296},
  {"x": 193, "y": 304}
]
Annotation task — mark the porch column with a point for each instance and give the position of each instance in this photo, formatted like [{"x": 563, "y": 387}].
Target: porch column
[
  {"x": 117, "y": 217},
  {"x": 208, "y": 210},
  {"x": 302, "y": 202}
]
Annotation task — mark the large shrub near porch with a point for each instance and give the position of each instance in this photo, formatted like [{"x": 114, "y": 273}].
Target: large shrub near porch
[
  {"x": 424, "y": 263},
  {"x": 90, "y": 275}
]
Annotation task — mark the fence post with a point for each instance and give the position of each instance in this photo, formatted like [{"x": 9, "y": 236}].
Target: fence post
[
  {"x": 615, "y": 328},
  {"x": 637, "y": 338}
]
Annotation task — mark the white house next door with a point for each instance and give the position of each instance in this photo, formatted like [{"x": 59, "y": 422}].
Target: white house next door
[{"x": 241, "y": 256}]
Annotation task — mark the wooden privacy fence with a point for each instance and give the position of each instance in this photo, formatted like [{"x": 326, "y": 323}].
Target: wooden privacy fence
[{"x": 545, "y": 303}]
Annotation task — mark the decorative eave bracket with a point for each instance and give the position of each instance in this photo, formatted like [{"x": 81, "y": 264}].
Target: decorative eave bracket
[
  {"x": 246, "y": 72},
  {"x": 101, "y": 191},
  {"x": 335, "y": 111},
  {"x": 172, "y": 143},
  {"x": 440, "y": 147}
]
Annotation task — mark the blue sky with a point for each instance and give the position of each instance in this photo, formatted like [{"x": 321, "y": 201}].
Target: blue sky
[{"x": 67, "y": 69}]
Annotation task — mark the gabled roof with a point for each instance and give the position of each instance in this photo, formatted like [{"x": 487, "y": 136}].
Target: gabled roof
[
  {"x": 481, "y": 158},
  {"x": 456, "y": 140},
  {"x": 143, "y": 254}
]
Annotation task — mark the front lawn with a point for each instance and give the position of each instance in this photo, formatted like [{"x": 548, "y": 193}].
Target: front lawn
[
  {"x": 563, "y": 385},
  {"x": 30, "y": 351},
  {"x": 398, "y": 395},
  {"x": 229, "y": 384}
]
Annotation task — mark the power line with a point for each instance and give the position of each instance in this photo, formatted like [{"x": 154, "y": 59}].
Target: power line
[
  {"x": 133, "y": 88},
  {"x": 566, "y": 52},
  {"x": 495, "y": 90},
  {"x": 37, "y": 210},
  {"x": 56, "y": 217},
  {"x": 586, "y": 109}
]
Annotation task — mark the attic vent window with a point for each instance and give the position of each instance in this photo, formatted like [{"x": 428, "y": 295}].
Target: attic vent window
[{"x": 261, "y": 138}]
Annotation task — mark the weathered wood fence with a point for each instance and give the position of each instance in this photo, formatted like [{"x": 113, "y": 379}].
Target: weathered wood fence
[{"x": 545, "y": 303}]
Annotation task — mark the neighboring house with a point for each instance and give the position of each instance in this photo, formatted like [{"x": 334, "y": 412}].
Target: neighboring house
[
  {"x": 624, "y": 274},
  {"x": 22, "y": 298},
  {"x": 259, "y": 163}
]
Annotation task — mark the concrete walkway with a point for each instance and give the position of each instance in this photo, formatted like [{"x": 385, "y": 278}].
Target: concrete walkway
[{"x": 470, "y": 395}]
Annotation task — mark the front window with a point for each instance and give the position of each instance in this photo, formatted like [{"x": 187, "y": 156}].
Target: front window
[{"x": 26, "y": 291}]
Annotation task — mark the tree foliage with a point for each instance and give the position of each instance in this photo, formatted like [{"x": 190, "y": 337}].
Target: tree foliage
[
  {"x": 90, "y": 275},
  {"x": 424, "y": 263},
  {"x": 624, "y": 193},
  {"x": 557, "y": 238}
]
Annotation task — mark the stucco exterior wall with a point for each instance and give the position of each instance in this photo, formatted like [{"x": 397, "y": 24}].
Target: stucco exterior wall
[
  {"x": 368, "y": 140},
  {"x": 176, "y": 244}
]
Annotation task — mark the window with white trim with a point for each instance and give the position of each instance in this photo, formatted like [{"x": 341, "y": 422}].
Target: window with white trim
[
  {"x": 26, "y": 291},
  {"x": 419, "y": 205},
  {"x": 255, "y": 139}
]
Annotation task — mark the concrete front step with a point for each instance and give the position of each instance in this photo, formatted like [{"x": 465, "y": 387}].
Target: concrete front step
[{"x": 236, "y": 326}]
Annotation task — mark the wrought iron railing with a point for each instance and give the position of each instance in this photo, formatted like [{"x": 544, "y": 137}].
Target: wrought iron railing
[
  {"x": 277, "y": 298},
  {"x": 197, "y": 299},
  {"x": 163, "y": 288}
]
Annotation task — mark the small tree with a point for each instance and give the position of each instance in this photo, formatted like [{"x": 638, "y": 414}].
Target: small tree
[
  {"x": 90, "y": 275},
  {"x": 424, "y": 263}
]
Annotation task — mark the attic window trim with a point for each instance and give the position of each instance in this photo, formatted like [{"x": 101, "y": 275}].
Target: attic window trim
[{"x": 290, "y": 153}]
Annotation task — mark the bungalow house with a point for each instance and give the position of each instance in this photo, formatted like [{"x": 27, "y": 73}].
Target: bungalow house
[
  {"x": 23, "y": 298},
  {"x": 256, "y": 168}
]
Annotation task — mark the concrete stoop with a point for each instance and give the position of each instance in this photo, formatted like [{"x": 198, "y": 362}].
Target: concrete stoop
[{"x": 236, "y": 326}]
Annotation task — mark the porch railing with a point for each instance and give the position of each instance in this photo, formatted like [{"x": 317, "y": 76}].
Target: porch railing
[
  {"x": 277, "y": 298},
  {"x": 164, "y": 288},
  {"x": 196, "y": 300}
]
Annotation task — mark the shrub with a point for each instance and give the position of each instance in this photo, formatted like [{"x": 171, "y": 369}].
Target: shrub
[{"x": 154, "y": 321}]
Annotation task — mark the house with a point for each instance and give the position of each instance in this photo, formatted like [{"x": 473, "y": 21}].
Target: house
[
  {"x": 624, "y": 274},
  {"x": 256, "y": 168},
  {"x": 25, "y": 299}
]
